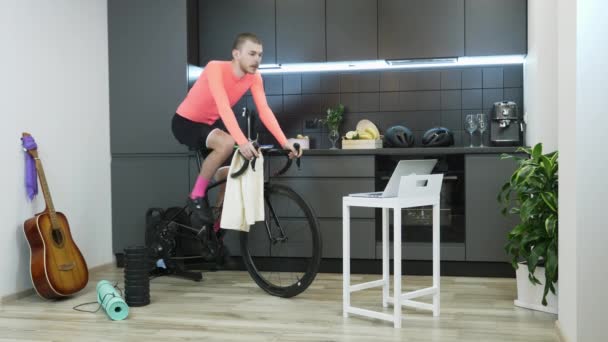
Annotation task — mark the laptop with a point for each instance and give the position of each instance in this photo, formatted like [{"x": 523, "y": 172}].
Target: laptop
[{"x": 404, "y": 168}]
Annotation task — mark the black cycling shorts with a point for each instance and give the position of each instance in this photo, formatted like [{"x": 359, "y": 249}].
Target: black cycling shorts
[{"x": 193, "y": 134}]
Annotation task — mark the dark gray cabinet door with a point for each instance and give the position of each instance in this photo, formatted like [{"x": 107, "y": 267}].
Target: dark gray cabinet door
[
  {"x": 362, "y": 241},
  {"x": 352, "y": 30},
  {"x": 300, "y": 31},
  {"x": 139, "y": 183},
  {"x": 147, "y": 73},
  {"x": 221, "y": 21},
  {"x": 496, "y": 27},
  {"x": 420, "y": 28},
  {"x": 424, "y": 251},
  {"x": 324, "y": 195},
  {"x": 486, "y": 227},
  {"x": 326, "y": 166}
]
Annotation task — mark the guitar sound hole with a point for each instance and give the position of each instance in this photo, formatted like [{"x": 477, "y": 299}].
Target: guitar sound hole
[{"x": 57, "y": 236}]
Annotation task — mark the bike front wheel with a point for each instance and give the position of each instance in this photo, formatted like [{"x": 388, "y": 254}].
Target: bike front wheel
[{"x": 282, "y": 254}]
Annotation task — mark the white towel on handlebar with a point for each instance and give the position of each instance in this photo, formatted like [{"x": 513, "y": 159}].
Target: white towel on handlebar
[{"x": 244, "y": 197}]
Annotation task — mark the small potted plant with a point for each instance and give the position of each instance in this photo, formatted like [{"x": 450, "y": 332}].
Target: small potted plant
[
  {"x": 532, "y": 194},
  {"x": 332, "y": 121}
]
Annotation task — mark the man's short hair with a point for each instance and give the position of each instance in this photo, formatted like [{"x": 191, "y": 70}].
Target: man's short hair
[{"x": 241, "y": 38}]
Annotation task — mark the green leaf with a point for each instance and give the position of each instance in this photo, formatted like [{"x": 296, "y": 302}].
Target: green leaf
[
  {"x": 537, "y": 151},
  {"x": 514, "y": 210},
  {"x": 518, "y": 230},
  {"x": 550, "y": 199},
  {"x": 527, "y": 208},
  {"x": 551, "y": 262},
  {"x": 550, "y": 270},
  {"x": 547, "y": 166},
  {"x": 537, "y": 252},
  {"x": 526, "y": 150},
  {"x": 550, "y": 225},
  {"x": 533, "y": 279}
]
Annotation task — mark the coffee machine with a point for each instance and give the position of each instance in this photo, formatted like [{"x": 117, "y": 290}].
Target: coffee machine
[{"x": 506, "y": 127}]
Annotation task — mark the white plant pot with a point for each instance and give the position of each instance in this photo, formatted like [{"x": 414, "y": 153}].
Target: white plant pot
[{"x": 530, "y": 295}]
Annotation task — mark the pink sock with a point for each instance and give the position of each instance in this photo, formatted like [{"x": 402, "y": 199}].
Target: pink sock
[{"x": 199, "y": 187}]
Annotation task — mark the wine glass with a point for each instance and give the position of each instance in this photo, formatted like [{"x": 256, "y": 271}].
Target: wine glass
[
  {"x": 482, "y": 120},
  {"x": 470, "y": 124}
]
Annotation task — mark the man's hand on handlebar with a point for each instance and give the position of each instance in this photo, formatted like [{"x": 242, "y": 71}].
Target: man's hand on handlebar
[
  {"x": 294, "y": 153},
  {"x": 248, "y": 150}
]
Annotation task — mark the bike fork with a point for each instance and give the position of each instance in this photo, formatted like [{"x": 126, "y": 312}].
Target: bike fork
[{"x": 276, "y": 220}]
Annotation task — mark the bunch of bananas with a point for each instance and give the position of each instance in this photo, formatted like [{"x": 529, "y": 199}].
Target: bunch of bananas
[
  {"x": 365, "y": 130},
  {"x": 355, "y": 135}
]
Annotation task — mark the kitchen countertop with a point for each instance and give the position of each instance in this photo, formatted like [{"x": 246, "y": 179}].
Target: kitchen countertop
[{"x": 412, "y": 151}]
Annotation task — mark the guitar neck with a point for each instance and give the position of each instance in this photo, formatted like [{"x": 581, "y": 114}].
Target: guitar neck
[{"x": 47, "y": 193}]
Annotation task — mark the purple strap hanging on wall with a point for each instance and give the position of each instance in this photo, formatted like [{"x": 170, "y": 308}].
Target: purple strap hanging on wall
[{"x": 31, "y": 181}]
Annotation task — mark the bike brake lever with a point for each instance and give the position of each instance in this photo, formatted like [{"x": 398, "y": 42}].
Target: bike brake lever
[
  {"x": 246, "y": 163},
  {"x": 257, "y": 147},
  {"x": 298, "y": 160}
]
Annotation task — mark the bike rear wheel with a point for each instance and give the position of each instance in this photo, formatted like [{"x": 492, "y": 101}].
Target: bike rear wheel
[{"x": 283, "y": 253}]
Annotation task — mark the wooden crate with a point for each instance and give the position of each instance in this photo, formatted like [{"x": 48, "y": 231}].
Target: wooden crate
[{"x": 361, "y": 144}]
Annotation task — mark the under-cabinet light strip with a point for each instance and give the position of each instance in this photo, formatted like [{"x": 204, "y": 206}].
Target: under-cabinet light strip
[{"x": 381, "y": 65}]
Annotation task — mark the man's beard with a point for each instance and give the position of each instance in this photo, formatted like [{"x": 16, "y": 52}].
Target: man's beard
[{"x": 248, "y": 68}]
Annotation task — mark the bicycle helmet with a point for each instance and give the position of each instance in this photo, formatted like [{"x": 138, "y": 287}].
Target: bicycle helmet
[
  {"x": 399, "y": 136},
  {"x": 438, "y": 136}
]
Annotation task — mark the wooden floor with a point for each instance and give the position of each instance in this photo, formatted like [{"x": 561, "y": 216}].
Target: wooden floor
[{"x": 228, "y": 306}]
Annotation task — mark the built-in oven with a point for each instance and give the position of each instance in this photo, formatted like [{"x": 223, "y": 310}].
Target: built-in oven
[{"x": 417, "y": 223}]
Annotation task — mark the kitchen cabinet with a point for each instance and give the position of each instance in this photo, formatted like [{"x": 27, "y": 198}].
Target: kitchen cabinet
[
  {"x": 324, "y": 195},
  {"x": 220, "y": 22},
  {"x": 322, "y": 181},
  {"x": 420, "y": 28},
  {"x": 147, "y": 73},
  {"x": 300, "y": 30},
  {"x": 139, "y": 183},
  {"x": 495, "y": 27},
  {"x": 361, "y": 243},
  {"x": 424, "y": 251},
  {"x": 352, "y": 30},
  {"x": 486, "y": 227}
]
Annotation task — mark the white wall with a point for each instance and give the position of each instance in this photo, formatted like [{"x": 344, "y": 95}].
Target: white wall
[
  {"x": 565, "y": 77},
  {"x": 591, "y": 169},
  {"x": 54, "y": 85},
  {"x": 567, "y": 90},
  {"x": 540, "y": 75}
]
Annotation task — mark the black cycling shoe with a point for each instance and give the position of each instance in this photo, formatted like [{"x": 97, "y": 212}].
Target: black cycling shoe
[{"x": 200, "y": 208}]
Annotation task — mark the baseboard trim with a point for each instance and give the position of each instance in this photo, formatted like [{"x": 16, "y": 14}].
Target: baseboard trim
[
  {"x": 16, "y": 296},
  {"x": 28, "y": 292},
  {"x": 101, "y": 267},
  {"x": 560, "y": 334}
]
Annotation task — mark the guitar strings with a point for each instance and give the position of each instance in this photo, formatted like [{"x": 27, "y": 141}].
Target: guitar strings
[{"x": 102, "y": 300}]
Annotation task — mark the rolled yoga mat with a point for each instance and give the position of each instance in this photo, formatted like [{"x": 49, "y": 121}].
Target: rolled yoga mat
[{"x": 116, "y": 308}]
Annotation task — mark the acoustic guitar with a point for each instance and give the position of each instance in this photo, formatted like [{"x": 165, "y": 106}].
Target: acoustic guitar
[{"x": 57, "y": 266}]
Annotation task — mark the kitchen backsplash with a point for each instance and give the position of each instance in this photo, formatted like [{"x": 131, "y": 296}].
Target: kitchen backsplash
[{"x": 419, "y": 99}]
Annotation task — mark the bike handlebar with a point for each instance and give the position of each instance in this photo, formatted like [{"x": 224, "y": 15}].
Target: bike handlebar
[{"x": 269, "y": 151}]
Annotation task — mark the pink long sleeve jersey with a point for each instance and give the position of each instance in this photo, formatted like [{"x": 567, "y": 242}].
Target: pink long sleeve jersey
[{"x": 217, "y": 90}]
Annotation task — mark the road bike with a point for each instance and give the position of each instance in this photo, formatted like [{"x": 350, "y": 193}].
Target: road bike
[{"x": 282, "y": 253}]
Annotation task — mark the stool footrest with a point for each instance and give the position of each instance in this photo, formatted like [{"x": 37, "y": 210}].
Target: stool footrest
[
  {"x": 419, "y": 293},
  {"x": 370, "y": 313},
  {"x": 417, "y": 305},
  {"x": 412, "y": 304},
  {"x": 367, "y": 285}
]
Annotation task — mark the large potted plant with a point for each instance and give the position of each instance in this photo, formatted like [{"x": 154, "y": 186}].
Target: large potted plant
[{"x": 532, "y": 194}]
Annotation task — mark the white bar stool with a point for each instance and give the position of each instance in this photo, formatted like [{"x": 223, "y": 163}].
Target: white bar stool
[{"x": 414, "y": 191}]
